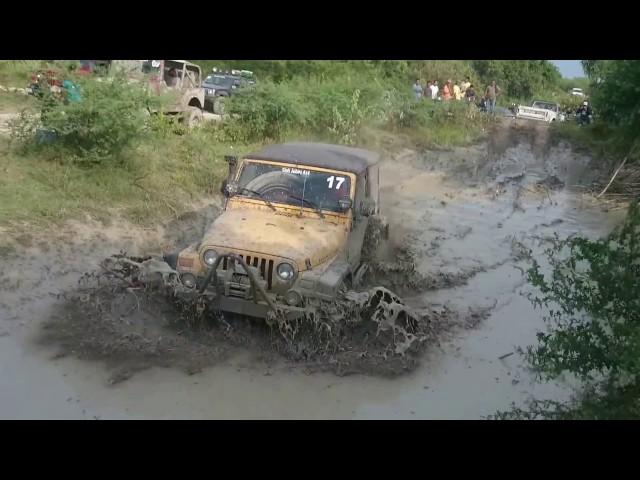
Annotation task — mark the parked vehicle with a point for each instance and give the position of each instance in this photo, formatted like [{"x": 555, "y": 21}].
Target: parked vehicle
[
  {"x": 542, "y": 111},
  {"x": 182, "y": 80},
  {"x": 220, "y": 86}
]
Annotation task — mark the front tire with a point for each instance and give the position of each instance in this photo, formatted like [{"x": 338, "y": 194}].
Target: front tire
[
  {"x": 219, "y": 106},
  {"x": 193, "y": 117}
]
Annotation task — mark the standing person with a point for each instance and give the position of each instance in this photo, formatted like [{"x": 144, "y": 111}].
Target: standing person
[
  {"x": 446, "y": 91},
  {"x": 470, "y": 94},
  {"x": 427, "y": 89},
  {"x": 457, "y": 92},
  {"x": 434, "y": 90},
  {"x": 490, "y": 94},
  {"x": 465, "y": 85},
  {"x": 417, "y": 90}
]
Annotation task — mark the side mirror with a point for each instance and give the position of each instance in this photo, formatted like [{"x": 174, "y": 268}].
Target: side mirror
[
  {"x": 229, "y": 189},
  {"x": 345, "y": 204}
]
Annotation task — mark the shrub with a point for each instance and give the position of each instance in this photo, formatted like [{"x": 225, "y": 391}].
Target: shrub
[{"x": 109, "y": 117}]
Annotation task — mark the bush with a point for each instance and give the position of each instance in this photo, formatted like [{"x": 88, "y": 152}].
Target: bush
[
  {"x": 110, "y": 116},
  {"x": 268, "y": 111},
  {"x": 594, "y": 323}
]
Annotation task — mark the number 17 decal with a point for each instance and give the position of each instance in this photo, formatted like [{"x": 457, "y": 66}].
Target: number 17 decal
[{"x": 339, "y": 181}]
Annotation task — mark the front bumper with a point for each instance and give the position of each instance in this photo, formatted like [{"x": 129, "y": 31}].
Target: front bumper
[
  {"x": 253, "y": 309},
  {"x": 243, "y": 294}
]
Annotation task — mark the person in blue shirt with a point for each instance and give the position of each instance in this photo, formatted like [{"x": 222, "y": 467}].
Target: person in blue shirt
[{"x": 417, "y": 90}]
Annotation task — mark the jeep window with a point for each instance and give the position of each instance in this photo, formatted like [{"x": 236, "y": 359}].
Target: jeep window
[
  {"x": 218, "y": 80},
  {"x": 151, "y": 66},
  {"x": 546, "y": 106},
  {"x": 279, "y": 184}
]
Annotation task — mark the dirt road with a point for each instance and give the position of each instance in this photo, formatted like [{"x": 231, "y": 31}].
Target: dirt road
[{"x": 463, "y": 213}]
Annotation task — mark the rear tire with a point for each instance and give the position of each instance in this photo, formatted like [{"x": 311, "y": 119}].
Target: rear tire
[{"x": 193, "y": 117}]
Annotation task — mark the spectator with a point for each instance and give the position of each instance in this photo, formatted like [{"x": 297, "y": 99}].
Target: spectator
[
  {"x": 434, "y": 90},
  {"x": 470, "y": 94},
  {"x": 457, "y": 92},
  {"x": 427, "y": 89},
  {"x": 490, "y": 94},
  {"x": 465, "y": 85},
  {"x": 446, "y": 91},
  {"x": 417, "y": 90}
]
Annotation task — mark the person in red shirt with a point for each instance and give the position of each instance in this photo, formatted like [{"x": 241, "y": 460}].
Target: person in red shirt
[{"x": 447, "y": 91}]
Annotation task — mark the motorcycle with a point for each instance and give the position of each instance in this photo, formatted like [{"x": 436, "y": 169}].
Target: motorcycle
[{"x": 584, "y": 118}]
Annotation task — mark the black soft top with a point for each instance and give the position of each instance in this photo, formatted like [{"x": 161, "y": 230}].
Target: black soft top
[{"x": 323, "y": 155}]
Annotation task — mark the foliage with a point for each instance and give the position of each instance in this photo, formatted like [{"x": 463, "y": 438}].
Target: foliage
[
  {"x": 614, "y": 87},
  {"x": 593, "y": 317},
  {"x": 109, "y": 117},
  {"x": 519, "y": 79}
]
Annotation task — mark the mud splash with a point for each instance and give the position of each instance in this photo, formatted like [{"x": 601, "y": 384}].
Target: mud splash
[{"x": 120, "y": 317}]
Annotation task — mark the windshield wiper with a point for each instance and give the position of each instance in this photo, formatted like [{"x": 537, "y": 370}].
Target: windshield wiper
[
  {"x": 311, "y": 204},
  {"x": 269, "y": 204}
]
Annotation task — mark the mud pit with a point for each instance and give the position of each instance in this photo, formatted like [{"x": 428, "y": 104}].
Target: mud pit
[
  {"x": 460, "y": 223},
  {"x": 117, "y": 317}
]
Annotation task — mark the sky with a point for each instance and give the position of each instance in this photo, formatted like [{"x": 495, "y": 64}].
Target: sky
[{"x": 569, "y": 68}]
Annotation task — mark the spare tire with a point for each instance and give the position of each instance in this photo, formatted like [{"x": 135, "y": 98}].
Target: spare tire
[{"x": 272, "y": 180}]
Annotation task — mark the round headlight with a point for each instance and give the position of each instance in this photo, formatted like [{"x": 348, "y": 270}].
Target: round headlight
[
  {"x": 285, "y": 271},
  {"x": 293, "y": 298},
  {"x": 188, "y": 280},
  {"x": 210, "y": 257}
]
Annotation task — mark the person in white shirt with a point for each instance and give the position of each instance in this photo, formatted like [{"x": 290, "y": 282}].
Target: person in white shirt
[
  {"x": 434, "y": 90},
  {"x": 464, "y": 85}
]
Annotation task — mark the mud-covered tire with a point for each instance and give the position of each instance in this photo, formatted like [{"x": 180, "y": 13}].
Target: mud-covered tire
[
  {"x": 193, "y": 117},
  {"x": 219, "y": 105}
]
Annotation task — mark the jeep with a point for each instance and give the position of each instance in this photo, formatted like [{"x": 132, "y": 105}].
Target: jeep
[
  {"x": 291, "y": 232},
  {"x": 181, "y": 80}
]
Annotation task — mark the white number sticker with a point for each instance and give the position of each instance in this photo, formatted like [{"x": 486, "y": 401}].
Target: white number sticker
[{"x": 339, "y": 181}]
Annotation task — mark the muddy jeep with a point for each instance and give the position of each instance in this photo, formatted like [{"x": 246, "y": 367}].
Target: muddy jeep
[
  {"x": 180, "y": 80},
  {"x": 291, "y": 233}
]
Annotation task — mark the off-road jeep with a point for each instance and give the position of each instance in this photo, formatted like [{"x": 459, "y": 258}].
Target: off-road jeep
[
  {"x": 291, "y": 233},
  {"x": 181, "y": 80}
]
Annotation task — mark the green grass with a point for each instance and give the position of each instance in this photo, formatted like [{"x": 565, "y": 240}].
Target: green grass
[
  {"x": 163, "y": 177},
  {"x": 599, "y": 140},
  {"x": 162, "y": 174},
  {"x": 15, "y": 102}
]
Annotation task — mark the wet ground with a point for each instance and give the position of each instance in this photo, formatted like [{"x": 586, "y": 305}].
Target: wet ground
[{"x": 462, "y": 218}]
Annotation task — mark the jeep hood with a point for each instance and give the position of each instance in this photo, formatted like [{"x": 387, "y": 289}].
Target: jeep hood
[{"x": 278, "y": 235}]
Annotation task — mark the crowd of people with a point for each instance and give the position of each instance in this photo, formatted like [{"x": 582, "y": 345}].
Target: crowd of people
[{"x": 459, "y": 91}]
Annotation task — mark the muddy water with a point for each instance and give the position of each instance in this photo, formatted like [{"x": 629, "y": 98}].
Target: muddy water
[{"x": 462, "y": 212}]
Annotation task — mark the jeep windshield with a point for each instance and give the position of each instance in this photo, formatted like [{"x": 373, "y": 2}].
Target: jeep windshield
[
  {"x": 219, "y": 80},
  {"x": 296, "y": 186},
  {"x": 545, "y": 106}
]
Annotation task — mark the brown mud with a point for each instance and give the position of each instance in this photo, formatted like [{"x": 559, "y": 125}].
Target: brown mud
[{"x": 461, "y": 223}]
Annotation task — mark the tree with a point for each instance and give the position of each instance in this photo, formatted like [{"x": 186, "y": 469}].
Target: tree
[{"x": 519, "y": 78}]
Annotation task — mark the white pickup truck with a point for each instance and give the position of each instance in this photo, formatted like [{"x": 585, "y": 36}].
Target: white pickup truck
[{"x": 541, "y": 110}]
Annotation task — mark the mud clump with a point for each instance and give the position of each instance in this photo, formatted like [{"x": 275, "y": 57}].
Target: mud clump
[
  {"x": 115, "y": 318},
  {"x": 401, "y": 275},
  {"x": 551, "y": 182}
]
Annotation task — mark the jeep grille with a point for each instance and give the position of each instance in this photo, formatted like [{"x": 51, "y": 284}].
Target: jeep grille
[{"x": 265, "y": 266}]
